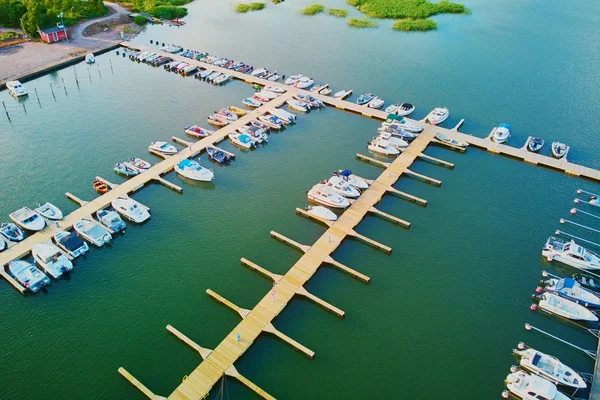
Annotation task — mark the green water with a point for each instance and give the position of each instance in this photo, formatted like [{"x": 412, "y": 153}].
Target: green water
[{"x": 441, "y": 314}]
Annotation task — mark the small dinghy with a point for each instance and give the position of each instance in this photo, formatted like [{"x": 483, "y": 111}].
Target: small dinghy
[
  {"x": 217, "y": 120},
  {"x": 396, "y": 142},
  {"x": 92, "y": 232},
  {"x": 376, "y": 103},
  {"x": 535, "y": 144},
  {"x": 275, "y": 89},
  {"x": 321, "y": 212},
  {"x": 352, "y": 179},
  {"x": 11, "y": 232},
  {"x": 297, "y": 105},
  {"x": 342, "y": 187},
  {"x": 325, "y": 195},
  {"x": 559, "y": 150},
  {"x": 70, "y": 243},
  {"x": 501, "y": 134},
  {"x": 532, "y": 387},
  {"x": 364, "y": 98},
  {"x": 130, "y": 209},
  {"x": 242, "y": 140},
  {"x": 438, "y": 115},
  {"x": 126, "y": 169},
  {"x": 570, "y": 253},
  {"x": 237, "y": 111},
  {"x": 405, "y": 109},
  {"x": 197, "y": 131},
  {"x": 140, "y": 164},
  {"x": 342, "y": 94},
  {"x": 451, "y": 141},
  {"x": 49, "y": 211},
  {"x": 550, "y": 368},
  {"x": 218, "y": 155},
  {"x": 392, "y": 108},
  {"x": 111, "y": 220},
  {"x": 286, "y": 117},
  {"x": 228, "y": 115},
  {"x": 27, "y": 219},
  {"x": 570, "y": 289},
  {"x": 28, "y": 275},
  {"x": 554, "y": 304},
  {"x": 250, "y": 102},
  {"x": 271, "y": 121},
  {"x": 192, "y": 169},
  {"x": 89, "y": 58},
  {"x": 100, "y": 187},
  {"x": 163, "y": 148},
  {"x": 51, "y": 259},
  {"x": 383, "y": 147}
]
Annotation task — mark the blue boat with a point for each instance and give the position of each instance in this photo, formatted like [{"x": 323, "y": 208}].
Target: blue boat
[
  {"x": 364, "y": 99},
  {"x": 570, "y": 289}
]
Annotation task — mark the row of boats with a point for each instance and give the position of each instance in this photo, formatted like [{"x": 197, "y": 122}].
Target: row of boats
[{"x": 502, "y": 133}]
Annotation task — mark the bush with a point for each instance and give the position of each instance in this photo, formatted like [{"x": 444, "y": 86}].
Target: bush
[
  {"x": 361, "y": 23},
  {"x": 414, "y": 25},
  {"x": 169, "y": 12},
  {"x": 257, "y": 6},
  {"x": 242, "y": 8},
  {"x": 276, "y": 1},
  {"x": 403, "y": 9},
  {"x": 338, "y": 12},
  {"x": 138, "y": 19},
  {"x": 312, "y": 9}
]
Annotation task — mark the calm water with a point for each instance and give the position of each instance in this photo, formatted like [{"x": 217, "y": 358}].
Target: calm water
[{"x": 442, "y": 313}]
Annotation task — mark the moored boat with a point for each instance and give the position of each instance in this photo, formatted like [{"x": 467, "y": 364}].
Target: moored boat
[
  {"x": 397, "y": 132},
  {"x": 325, "y": 195},
  {"x": 405, "y": 109},
  {"x": 100, "y": 187},
  {"x": 197, "y": 131},
  {"x": 192, "y": 169},
  {"x": 438, "y": 115},
  {"x": 27, "y": 219},
  {"x": 501, "y": 134},
  {"x": 242, "y": 140},
  {"x": 383, "y": 147},
  {"x": 285, "y": 116},
  {"x": 397, "y": 122},
  {"x": 532, "y": 387},
  {"x": 11, "y": 232},
  {"x": 550, "y": 368},
  {"x": 218, "y": 155},
  {"x": 535, "y": 144},
  {"x": 70, "y": 243},
  {"x": 89, "y": 58},
  {"x": 221, "y": 79},
  {"x": 111, "y": 220},
  {"x": 217, "y": 120},
  {"x": 554, "y": 304},
  {"x": 292, "y": 79},
  {"x": 237, "y": 111},
  {"x": 304, "y": 82},
  {"x": 92, "y": 232},
  {"x": 163, "y": 147},
  {"x": 49, "y": 211},
  {"x": 559, "y": 150},
  {"x": 271, "y": 121},
  {"x": 570, "y": 289},
  {"x": 140, "y": 164},
  {"x": 297, "y": 105},
  {"x": 250, "y": 102},
  {"x": 364, "y": 98},
  {"x": 392, "y": 108},
  {"x": 126, "y": 169},
  {"x": 570, "y": 253},
  {"x": 51, "y": 259},
  {"x": 375, "y": 103},
  {"x": 321, "y": 212},
  {"x": 342, "y": 187},
  {"x": 16, "y": 89},
  {"x": 28, "y": 275},
  {"x": 229, "y": 115},
  {"x": 274, "y": 89},
  {"x": 342, "y": 94},
  {"x": 395, "y": 141},
  {"x": 451, "y": 141},
  {"x": 588, "y": 282},
  {"x": 352, "y": 179}
]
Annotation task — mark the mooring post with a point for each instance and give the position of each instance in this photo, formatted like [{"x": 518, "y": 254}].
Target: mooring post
[
  {"x": 38, "y": 97},
  {"x": 111, "y": 67},
  {"x": 99, "y": 72},
  {"x": 90, "y": 75},
  {"x": 76, "y": 79},
  {"x": 64, "y": 86},
  {"x": 52, "y": 89},
  {"x": 6, "y": 111},
  {"x": 24, "y": 109}
]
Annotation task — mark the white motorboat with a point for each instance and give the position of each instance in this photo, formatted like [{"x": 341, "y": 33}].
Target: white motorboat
[
  {"x": 221, "y": 79},
  {"x": 342, "y": 187},
  {"x": 396, "y": 142},
  {"x": 550, "y": 368},
  {"x": 271, "y": 121},
  {"x": 402, "y": 123},
  {"x": 438, "y": 115},
  {"x": 560, "y": 306},
  {"x": 16, "y": 89},
  {"x": 259, "y": 72},
  {"x": 274, "y": 78},
  {"x": 130, "y": 209},
  {"x": 285, "y": 116},
  {"x": 501, "y": 134},
  {"x": 111, "y": 220},
  {"x": 274, "y": 89},
  {"x": 570, "y": 289},
  {"x": 451, "y": 141},
  {"x": 49, "y": 211},
  {"x": 205, "y": 73},
  {"x": 352, "y": 179},
  {"x": 227, "y": 114},
  {"x": 255, "y": 133},
  {"x": 297, "y": 105},
  {"x": 292, "y": 79},
  {"x": 392, "y": 108},
  {"x": 570, "y": 253},
  {"x": 11, "y": 232},
  {"x": 28, "y": 275},
  {"x": 70, "y": 243},
  {"x": 140, "y": 164},
  {"x": 92, "y": 232},
  {"x": 250, "y": 102},
  {"x": 126, "y": 169},
  {"x": 89, "y": 58},
  {"x": 193, "y": 170},
  {"x": 383, "y": 147},
  {"x": 342, "y": 94},
  {"x": 376, "y": 103},
  {"x": 327, "y": 196},
  {"x": 397, "y": 132},
  {"x": 27, "y": 219},
  {"x": 267, "y": 94},
  {"x": 213, "y": 76},
  {"x": 535, "y": 144},
  {"x": 163, "y": 147},
  {"x": 321, "y": 212},
  {"x": 51, "y": 259},
  {"x": 594, "y": 201},
  {"x": 242, "y": 140},
  {"x": 365, "y": 98},
  {"x": 405, "y": 109},
  {"x": 531, "y": 387},
  {"x": 304, "y": 82},
  {"x": 559, "y": 150}
]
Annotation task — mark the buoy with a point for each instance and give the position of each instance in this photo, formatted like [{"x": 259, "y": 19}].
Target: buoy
[
  {"x": 521, "y": 346},
  {"x": 538, "y": 289},
  {"x": 562, "y": 221},
  {"x": 573, "y": 211},
  {"x": 163, "y": 45},
  {"x": 533, "y": 307},
  {"x": 527, "y": 327},
  {"x": 150, "y": 41},
  {"x": 576, "y": 201},
  {"x": 557, "y": 232},
  {"x": 579, "y": 191},
  {"x": 505, "y": 394},
  {"x": 549, "y": 258},
  {"x": 544, "y": 274},
  {"x": 513, "y": 369}
]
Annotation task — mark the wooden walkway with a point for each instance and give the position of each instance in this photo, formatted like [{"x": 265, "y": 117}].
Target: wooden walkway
[
  {"x": 220, "y": 361},
  {"x": 22, "y": 249}
]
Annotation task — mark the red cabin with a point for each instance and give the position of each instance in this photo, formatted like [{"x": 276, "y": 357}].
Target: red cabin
[{"x": 55, "y": 34}]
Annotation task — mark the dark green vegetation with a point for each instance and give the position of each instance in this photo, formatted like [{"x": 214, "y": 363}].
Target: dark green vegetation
[
  {"x": 312, "y": 9},
  {"x": 31, "y": 14},
  {"x": 138, "y": 19},
  {"x": 362, "y": 23},
  {"x": 338, "y": 12},
  {"x": 409, "y": 24},
  {"x": 8, "y": 35},
  {"x": 413, "y": 13},
  {"x": 167, "y": 9},
  {"x": 256, "y": 6},
  {"x": 244, "y": 8}
]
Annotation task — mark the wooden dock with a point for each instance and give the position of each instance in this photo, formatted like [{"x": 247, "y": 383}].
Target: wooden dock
[{"x": 87, "y": 209}]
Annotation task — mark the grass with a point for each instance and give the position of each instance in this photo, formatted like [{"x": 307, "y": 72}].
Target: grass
[
  {"x": 242, "y": 8},
  {"x": 414, "y": 25},
  {"x": 401, "y": 9},
  {"x": 276, "y": 1},
  {"x": 361, "y": 23},
  {"x": 312, "y": 9},
  {"x": 138, "y": 19},
  {"x": 256, "y": 6},
  {"x": 338, "y": 12},
  {"x": 8, "y": 35}
]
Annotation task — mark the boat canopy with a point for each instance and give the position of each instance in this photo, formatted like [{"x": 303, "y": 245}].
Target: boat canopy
[
  {"x": 566, "y": 283},
  {"x": 345, "y": 172},
  {"x": 394, "y": 117},
  {"x": 185, "y": 163}
]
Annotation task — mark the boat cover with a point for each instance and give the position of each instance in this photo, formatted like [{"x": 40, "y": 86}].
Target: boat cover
[{"x": 345, "y": 172}]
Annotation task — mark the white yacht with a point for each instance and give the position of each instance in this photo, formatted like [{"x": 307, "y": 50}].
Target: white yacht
[
  {"x": 16, "y": 89},
  {"x": 242, "y": 140},
  {"x": 51, "y": 259},
  {"x": 438, "y": 115},
  {"x": 49, "y": 211},
  {"x": 28, "y": 275},
  {"x": 383, "y": 147},
  {"x": 130, "y": 209},
  {"x": 321, "y": 212},
  {"x": 570, "y": 253},
  {"x": 27, "y": 219},
  {"x": 111, "y": 220},
  {"x": 532, "y": 387},
  {"x": 550, "y": 368},
  {"x": 327, "y": 196},
  {"x": 501, "y": 134},
  {"x": 163, "y": 147},
  {"x": 193, "y": 170},
  {"x": 562, "y": 307},
  {"x": 93, "y": 232},
  {"x": 71, "y": 243},
  {"x": 342, "y": 187}
]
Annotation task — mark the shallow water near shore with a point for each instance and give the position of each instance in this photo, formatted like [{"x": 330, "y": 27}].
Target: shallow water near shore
[{"x": 442, "y": 312}]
